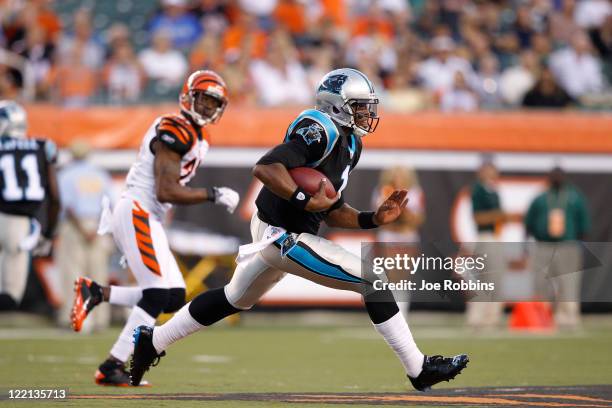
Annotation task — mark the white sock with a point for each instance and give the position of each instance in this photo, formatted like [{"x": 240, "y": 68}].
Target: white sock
[
  {"x": 182, "y": 324},
  {"x": 398, "y": 336},
  {"x": 124, "y": 346},
  {"x": 125, "y": 295}
]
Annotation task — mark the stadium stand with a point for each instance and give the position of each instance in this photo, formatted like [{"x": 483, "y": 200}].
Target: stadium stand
[{"x": 402, "y": 44}]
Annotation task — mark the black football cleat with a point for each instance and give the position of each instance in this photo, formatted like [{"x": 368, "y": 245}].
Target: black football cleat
[
  {"x": 437, "y": 369},
  {"x": 87, "y": 295},
  {"x": 113, "y": 374},
  {"x": 144, "y": 355}
]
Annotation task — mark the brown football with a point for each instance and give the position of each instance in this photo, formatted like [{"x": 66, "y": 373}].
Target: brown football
[{"x": 309, "y": 180}]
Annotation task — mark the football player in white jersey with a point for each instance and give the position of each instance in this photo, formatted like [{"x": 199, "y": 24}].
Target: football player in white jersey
[{"x": 169, "y": 156}]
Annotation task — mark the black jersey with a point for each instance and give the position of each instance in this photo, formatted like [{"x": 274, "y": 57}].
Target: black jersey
[
  {"x": 24, "y": 177},
  {"x": 312, "y": 140}
]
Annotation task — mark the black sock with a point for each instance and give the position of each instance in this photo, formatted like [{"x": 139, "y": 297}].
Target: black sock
[
  {"x": 97, "y": 296},
  {"x": 381, "y": 306},
  {"x": 210, "y": 307},
  {"x": 7, "y": 303}
]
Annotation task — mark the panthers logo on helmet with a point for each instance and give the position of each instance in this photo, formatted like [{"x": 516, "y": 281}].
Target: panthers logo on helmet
[
  {"x": 311, "y": 133},
  {"x": 333, "y": 83}
]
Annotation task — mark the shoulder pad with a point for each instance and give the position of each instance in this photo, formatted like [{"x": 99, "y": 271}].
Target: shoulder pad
[
  {"x": 176, "y": 132},
  {"x": 330, "y": 131}
]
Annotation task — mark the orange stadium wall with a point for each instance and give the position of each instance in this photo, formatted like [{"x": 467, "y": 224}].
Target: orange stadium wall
[{"x": 563, "y": 132}]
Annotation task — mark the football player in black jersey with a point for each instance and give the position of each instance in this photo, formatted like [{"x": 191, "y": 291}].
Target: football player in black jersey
[
  {"x": 27, "y": 179},
  {"x": 286, "y": 225}
]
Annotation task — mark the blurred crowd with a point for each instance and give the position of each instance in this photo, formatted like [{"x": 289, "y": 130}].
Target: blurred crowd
[{"x": 455, "y": 55}]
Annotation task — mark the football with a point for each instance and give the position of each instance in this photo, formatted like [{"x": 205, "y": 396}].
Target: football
[{"x": 309, "y": 179}]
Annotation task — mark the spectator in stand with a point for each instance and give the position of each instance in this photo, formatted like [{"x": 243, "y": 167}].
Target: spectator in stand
[
  {"x": 47, "y": 19},
  {"x": 10, "y": 83},
  {"x": 576, "y": 69},
  {"x": 547, "y": 94},
  {"x": 438, "y": 73},
  {"x": 123, "y": 76},
  {"x": 262, "y": 10},
  {"x": 507, "y": 48},
  {"x": 235, "y": 72},
  {"x": 117, "y": 35},
  {"x": 90, "y": 48},
  {"x": 401, "y": 94},
  {"x": 278, "y": 77},
  {"x": 207, "y": 53},
  {"x": 162, "y": 63},
  {"x": 592, "y": 13},
  {"x": 38, "y": 52},
  {"x": 459, "y": 98},
  {"x": 321, "y": 61},
  {"x": 428, "y": 19},
  {"x": 291, "y": 15},
  {"x": 245, "y": 30},
  {"x": 523, "y": 26},
  {"x": 372, "y": 20},
  {"x": 517, "y": 80},
  {"x": 563, "y": 26},
  {"x": 487, "y": 83},
  {"x": 542, "y": 46},
  {"x": 601, "y": 38},
  {"x": 17, "y": 17},
  {"x": 213, "y": 15},
  {"x": 73, "y": 83},
  {"x": 175, "y": 18},
  {"x": 373, "y": 41}
]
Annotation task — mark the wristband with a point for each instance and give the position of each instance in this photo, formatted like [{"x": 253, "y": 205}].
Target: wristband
[
  {"x": 211, "y": 194},
  {"x": 366, "y": 220},
  {"x": 300, "y": 198}
]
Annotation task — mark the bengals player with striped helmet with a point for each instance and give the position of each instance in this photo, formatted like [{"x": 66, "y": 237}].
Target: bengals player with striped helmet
[{"x": 169, "y": 157}]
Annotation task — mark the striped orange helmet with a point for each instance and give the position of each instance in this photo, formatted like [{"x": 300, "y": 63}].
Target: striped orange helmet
[{"x": 201, "y": 86}]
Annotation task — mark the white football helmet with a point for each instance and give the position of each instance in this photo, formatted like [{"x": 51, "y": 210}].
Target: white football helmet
[
  {"x": 13, "y": 120},
  {"x": 349, "y": 98}
]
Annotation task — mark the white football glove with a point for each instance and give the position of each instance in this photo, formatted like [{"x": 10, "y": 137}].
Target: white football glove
[
  {"x": 227, "y": 197},
  {"x": 43, "y": 247}
]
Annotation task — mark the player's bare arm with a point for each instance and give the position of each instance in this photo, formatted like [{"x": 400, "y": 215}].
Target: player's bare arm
[
  {"x": 167, "y": 168},
  {"x": 388, "y": 212},
  {"x": 277, "y": 179}
]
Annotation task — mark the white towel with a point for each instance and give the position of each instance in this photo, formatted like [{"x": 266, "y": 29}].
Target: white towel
[
  {"x": 106, "y": 218},
  {"x": 270, "y": 235},
  {"x": 31, "y": 240}
]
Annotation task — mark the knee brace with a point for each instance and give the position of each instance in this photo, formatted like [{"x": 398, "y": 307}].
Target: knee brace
[
  {"x": 154, "y": 300},
  {"x": 176, "y": 300}
]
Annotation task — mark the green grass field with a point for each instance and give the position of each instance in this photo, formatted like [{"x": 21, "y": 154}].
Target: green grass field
[{"x": 286, "y": 355}]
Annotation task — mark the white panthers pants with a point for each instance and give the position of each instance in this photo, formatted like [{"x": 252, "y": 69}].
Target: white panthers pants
[
  {"x": 312, "y": 257},
  {"x": 142, "y": 239},
  {"x": 13, "y": 261}
]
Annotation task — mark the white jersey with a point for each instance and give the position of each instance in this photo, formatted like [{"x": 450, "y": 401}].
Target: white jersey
[{"x": 180, "y": 135}]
